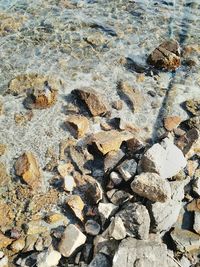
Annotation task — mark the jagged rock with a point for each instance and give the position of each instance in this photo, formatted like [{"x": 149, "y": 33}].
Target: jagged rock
[
  {"x": 166, "y": 159},
  {"x": 92, "y": 227},
  {"x": 192, "y": 165},
  {"x": 3, "y": 148},
  {"x": 166, "y": 56},
  {"x": 108, "y": 141},
  {"x": 133, "y": 252},
  {"x": 193, "y": 106},
  {"x": 193, "y": 122},
  {"x": 112, "y": 158},
  {"x": 78, "y": 125},
  {"x": 94, "y": 102},
  {"x": 4, "y": 241},
  {"x": 69, "y": 183},
  {"x": 136, "y": 220},
  {"x": 72, "y": 239},
  {"x": 118, "y": 197},
  {"x": 100, "y": 260},
  {"x": 57, "y": 218},
  {"x": 152, "y": 187},
  {"x": 127, "y": 169},
  {"x": 171, "y": 123},
  {"x": 27, "y": 167},
  {"x": 92, "y": 189},
  {"x": 196, "y": 225},
  {"x": 49, "y": 258},
  {"x": 103, "y": 244},
  {"x": 65, "y": 169},
  {"x": 106, "y": 210},
  {"x": 76, "y": 204},
  {"x": 116, "y": 229},
  {"x": 115, "y": 178}
]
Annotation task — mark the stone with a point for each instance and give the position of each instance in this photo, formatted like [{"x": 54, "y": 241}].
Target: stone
[
  {"x": 4, "y": 261},
  {"x": 108, "y": 141},
  {"x": 165, "y": 159},
  {"x": 22, "y": 118},
  {"x": 72, "y": 239},
  {"x": 92, "y": 227},
  {"x": 193, "y": 122},
  {"x": 127, "y": 169},
  {"x": 118, "y": 197},
  {"x": 196, "y": 183},
  {"x": 93, "y": 101},
  {"x": 134, "y": 145},
  {"x": 36, "y": 227},
  {"x": 115, "y": 178},
  {"x": 96, "y": 39},
  {"x": 136, "y": 220},
  {"x": 3, "y": 148},
  {"x": 64, "y": 169},
  {"x": 92, "y": 189},
  {"x": 166, "y": 56},
  {"x": 4, "y": 241},
  {"x": 7, "y": 214},
  {"x": 194, "y": 205},
  {"x": 192, "y": 165},
  {"x": 118, "y": 105},
  {"x": 100, "y": 259},
  {"x": 152, "y": 187},
  {"x": 196, "y": 225},
  {"x": 56, "y": 218},
  {"x": 69, "y": 183},
  {"x": 27, "y": 167},
  {"x": 111, "y": 159},
  {"x": 76, "y": 204},
  {"x": 133, "y": 252},
  {"x": 106, "y": 210},
  {"x": 104, "y": 244},
  {"x": 193, "y": 106},
  {"x": 49, "y": 258},
  {"x": 105, "y": 126},
  {"x": 117, "y": 229},
  {"x": 171, "y": 122},
  {"x": 78, "y": 125},
  {"x": 11, "y": 23},
  {"x": 4, "y": 176},
  {"x": 18, "y": 245}
]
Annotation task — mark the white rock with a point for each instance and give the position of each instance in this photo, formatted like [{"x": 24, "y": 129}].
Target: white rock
[
  {"x": 4, "y": 262},
  {"x": 69, "y": 183},
  {"x": 196, "y": 225},
  {"x": 166, "y": 159},
  {"x": 71, "y": 240},
  {"x": 117, "y": 229},
  {"x": 106, "y": 210},
  {"x": 48, "y": 258}
]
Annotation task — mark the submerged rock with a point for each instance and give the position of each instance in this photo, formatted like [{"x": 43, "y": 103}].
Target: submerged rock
[
  {"x": 78, "y": 125},
  {"x": 166, "y": 56}
]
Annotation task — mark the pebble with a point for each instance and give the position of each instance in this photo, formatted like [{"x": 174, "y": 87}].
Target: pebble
[
  {"x": 117, "y": 229},
  {"x": 92, "y": 227}
]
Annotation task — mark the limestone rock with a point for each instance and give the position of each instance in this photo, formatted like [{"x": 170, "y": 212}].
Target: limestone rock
[
  {"x": 133, "y": 252},
  {"x": 127, "y": 169},
  {"x": 72, "y": 239},
  {"x": 117, "y": 229},
  {"x": 196, "y": 225},
  {"x": 136, "y": 220},
  {"x": 92, "y": 227},
  {"x": 4, "y": 241},
  {"x": 94, "y": 102},
  {"x": 27, "y": 167},
  {"x": 78, "y": 125},
  {"x": 193, "y": 106},
  {"x": 166, "y": 56},
  {"x": 49, "y": 258},
  {"x": 76, "y": 204},
  {"x": 152, "y": 187},
  {"x": 166, "y": 159},
  {"x": 171, "y": 123},
  {"x": 106, "y": 210}
]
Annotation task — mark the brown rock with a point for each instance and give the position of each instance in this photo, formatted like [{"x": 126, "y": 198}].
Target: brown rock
[
  {"x": 105, "y": 126},
  {"x": 4, "y": 241},
  {"x": 76, "y": 204},
  {"x": 108, "y": 141},
  {"x": 27, "y": 167},
  {"x": 4, "y": 177},
  {"x": 6, "y": 215},
  {"x": 112, "y": 158},
  {"x": 166, "y": 56},
  {"x": 194, "y": 205},
  {"x": 65, "y": 169},
  {"x": 118, "y": 104},
  {"x": 170, "y": 123},
  {"x": 134, "y": 144},
  {"x": 94, "y": 102},
  {"x": 78, "y": 125}
]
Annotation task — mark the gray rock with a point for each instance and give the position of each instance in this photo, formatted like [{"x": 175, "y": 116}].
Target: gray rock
[
  {"x": 100, "y": 260},
  {"x": 152, "y": 187},
  {"x": 116, "y": 229},
  {"x": 196, "y": 225},
  {"x": 115, "y": 178},
  {"x": 103, "y": 244},
  {"x": 127, "y": 169},
  {"x": 136, "y": 220},
  {"x": 112, "y": 158},
  {"x": 196, "y": 183},
  {"x": 118, "y": 197},
  {"x": 71, "y": 240},
  {"x": 166, "y": 159},
  {"x": 92, "y": 227},
  {"x": 133, "y": 252},
  {"x": 49, "y": 258},
  {"x": 106, "y": 210}
]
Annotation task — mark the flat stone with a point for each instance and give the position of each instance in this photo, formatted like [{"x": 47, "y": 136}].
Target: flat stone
[
  {"x": 27, "y": 167},
  {"x": 106, "y": 210},
  {"x": 93, "y": 101},
  {"x": 152, "y": 187},
  {"x": 117, "y": 229},
  {"x": 77, "y": 205},
  {"x": 136, "y": 220},
  {"x": 100, "y": 260},
  {"x": 193, "y": 106},
  {"x": 112, "y": 158},
  {"x": 127, "y": 169},
  {"x": 165, "y": 159},
  {"x": 133, "y": 252},
  {"x": 166, "y": 56},
  {"x": 72, "y": 239},
  {"x": 92, "y": 227},
  {"x": 49, "y": 258},
  {"x": 196, "y": 225},
  {"x": 78, "y": 125},
  {"x": 4, "y": 241},
  {"x": 171, "y": 122}
]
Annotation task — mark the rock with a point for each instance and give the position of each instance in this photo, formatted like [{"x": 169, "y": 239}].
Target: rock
[
  {"x": 4, "y": 261},
  {"x": 103, "y": 244},
  {"x": 106, "y": 210},
  {"x": 134, "y": 145},
  {"x": 69, "y": 183},
  {"x": 49, "y": 258},
  {"x": 166, "y": 56},
  {"x": 165, "y": 159},
  {"x": 171, "y": 123},
  {"x": 30, "y": 243},
  {"x": 152, "y": 187},
  {"x": 78, "y": 125},
  {"x": 4, "y": 241},
  {"x": 136, "y": 220},
  {"x": 76, "y": 204},
  {"x": 192, "y": 165},
  {"x": 112, "y": 158},
  {"x": 133, "y": 252},
  {"x": 18, "y": 245},
  {"x": 194, "y": 205},
  {"x": 72, "y": 239},
  {"x": 117, "y": 229},
  {"x": 57, "y": 218},
  {"x": 193, "y": 106},
  {"x": 64, "y": 169},
  {"x": 27, "y": 167},
  {"x": 105, "y": 126},
  {"x": 92, "y": 189},
  {"x": 118, "y": 197},
  {"x": 196, "y": 225},
  {"x": 96, "y": 39},
  {"x": 115, "y": 178},
  {"x": 100, "y": 260},
  {"x": 118, "y": 105},
  {"x": 108, "y": 141},
  {"x": 7, "y": 215},
  {"x": 193, "y": 122},
  {"x": 127, "y": 169},
  {"x": 94, "y": 102},
  {"x": 4, "y": 176},
  {"x": 36, "y": 227},
  {"x": 23, "y": 117},
  {"x": 92, "y": 227},
  {"x": 3, "y": 148},
  {"x": 196, "y": 183},
  {"x": 11, "y": 23}
]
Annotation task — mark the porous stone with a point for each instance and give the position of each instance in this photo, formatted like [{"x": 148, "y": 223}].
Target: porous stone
[
  {"x": 171, "y": 122},
  {"x": 76, "y": 204},
  {"x": 72, "y": 239},
  {"x": 78, "y": 125},
  {"x": 165, "y": 159},
  {"x": 92, "y": 227},
  {"x": 116, "y": 229},
  {"x": 49, "y": 258},
  {"x": 27, "y": 167},
  {"x": 152, "y": 187},
  {"x": 127, "y": 169}
]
